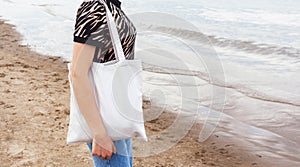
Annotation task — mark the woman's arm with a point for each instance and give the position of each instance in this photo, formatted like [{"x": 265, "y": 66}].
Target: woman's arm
[{"x": 81, "y": 63}]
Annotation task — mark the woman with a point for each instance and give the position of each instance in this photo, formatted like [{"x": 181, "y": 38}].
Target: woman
[{"x": 92, "y": 43}]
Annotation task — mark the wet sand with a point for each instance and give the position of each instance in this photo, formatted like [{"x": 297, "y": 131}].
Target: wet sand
[{"x": 34, "y": 116}]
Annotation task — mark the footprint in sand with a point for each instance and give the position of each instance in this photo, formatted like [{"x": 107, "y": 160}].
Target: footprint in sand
[
  {"x": 22, "y": 71},
  {"x": 223, "y": 151},
  {"x": 25, "y": 66},
  {"x": 7, "y": 90},
  {"x": 2, "y": 75},
  {"x": 8, "y": 106},
  {"x": 7, "y": 65}
]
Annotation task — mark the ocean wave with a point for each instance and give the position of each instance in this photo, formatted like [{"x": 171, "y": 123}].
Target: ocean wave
[
  {"x": 245, "y": 46},
  {"x": 253, "y": 16},
  {"x": 247, "y": 91}
]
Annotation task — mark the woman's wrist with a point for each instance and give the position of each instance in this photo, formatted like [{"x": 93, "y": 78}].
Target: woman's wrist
[{"x": 100, "y": 134}]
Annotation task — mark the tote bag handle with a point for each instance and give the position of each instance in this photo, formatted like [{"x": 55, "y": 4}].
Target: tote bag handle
[{"x": 114, "y": 34}]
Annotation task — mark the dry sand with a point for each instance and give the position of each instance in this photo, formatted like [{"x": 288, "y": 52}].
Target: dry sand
[{"x": 34, "y": 108}]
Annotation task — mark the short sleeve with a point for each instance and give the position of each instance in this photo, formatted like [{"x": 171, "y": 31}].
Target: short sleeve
[{"x": 91, "y": 25}]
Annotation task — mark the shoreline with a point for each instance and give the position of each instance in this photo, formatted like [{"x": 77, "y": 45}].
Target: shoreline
[{"x": 35, "y": 112}]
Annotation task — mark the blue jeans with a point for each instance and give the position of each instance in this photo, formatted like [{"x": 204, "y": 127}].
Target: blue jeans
[{"x": 123, "y": 158}]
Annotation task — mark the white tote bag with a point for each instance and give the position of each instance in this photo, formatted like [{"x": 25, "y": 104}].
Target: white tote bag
[{"x": 117, "y": 88}]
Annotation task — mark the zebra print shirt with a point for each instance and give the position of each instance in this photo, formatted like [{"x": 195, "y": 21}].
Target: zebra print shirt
[{"x": 91, "y": 28}]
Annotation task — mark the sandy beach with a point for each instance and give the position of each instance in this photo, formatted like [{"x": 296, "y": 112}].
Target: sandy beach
[{"x": 34, "y": 107}]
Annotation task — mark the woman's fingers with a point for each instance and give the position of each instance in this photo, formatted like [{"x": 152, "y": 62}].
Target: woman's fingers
[
  {"x": 95, "y": 151},
  {"x": 114, "y": 149},
  {"x": 106, "y": 154},
  {"x": 104, "y": 148},
  {"x": 102, "y": 153}
]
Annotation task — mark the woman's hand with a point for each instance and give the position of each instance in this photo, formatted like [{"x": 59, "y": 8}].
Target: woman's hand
[{"x": 103, "y": 147}]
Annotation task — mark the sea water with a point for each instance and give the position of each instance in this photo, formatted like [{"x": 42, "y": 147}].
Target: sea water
[{"x": 244, "y": 80}]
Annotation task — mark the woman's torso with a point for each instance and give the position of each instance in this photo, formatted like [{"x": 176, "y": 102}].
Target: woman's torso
[{"x": 91, "y": 28}]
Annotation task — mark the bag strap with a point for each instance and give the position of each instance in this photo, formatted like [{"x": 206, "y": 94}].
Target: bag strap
[{"x": 119, "y": 53}]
